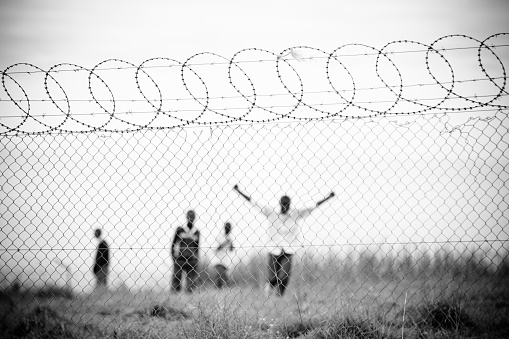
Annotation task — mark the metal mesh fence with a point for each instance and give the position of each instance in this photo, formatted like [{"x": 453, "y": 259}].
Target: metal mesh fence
[
  {"x": 328, "y": 194},
  {"x": 419, "y": 216}
]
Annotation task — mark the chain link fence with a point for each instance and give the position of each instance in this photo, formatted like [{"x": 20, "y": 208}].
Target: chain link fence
[
  {"x": 263, "y": 198},
  {"x": 419, "y": 217}
]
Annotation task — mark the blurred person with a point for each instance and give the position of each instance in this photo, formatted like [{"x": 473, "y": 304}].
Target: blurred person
[
  {"x": 102, "y": 259},
  {"x": 284, "y": 231},
  {"x": 184, "y": 250},
  {"x": 222, "y": 259}
]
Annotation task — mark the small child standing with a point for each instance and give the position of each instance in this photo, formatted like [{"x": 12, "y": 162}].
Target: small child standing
[{"x": 222, "y": 258}]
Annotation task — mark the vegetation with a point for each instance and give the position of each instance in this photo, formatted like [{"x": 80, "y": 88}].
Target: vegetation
[{"x": 369, "y": 295}]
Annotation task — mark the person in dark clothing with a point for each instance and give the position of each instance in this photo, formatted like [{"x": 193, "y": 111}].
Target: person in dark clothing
[
  {"x": 184, "y": 251},
  {"x": 102, "y": 260},
  {"x": 284, "y": 233}
]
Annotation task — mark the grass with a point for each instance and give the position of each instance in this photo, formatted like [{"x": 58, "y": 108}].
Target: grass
[{"x": 364, "y": 296}]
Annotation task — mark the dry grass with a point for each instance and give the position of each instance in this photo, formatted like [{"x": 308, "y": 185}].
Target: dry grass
[{"x": 365, "y": 298}]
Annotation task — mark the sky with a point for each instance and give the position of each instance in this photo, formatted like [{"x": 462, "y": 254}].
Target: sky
[{"x": 52, "y": 32}]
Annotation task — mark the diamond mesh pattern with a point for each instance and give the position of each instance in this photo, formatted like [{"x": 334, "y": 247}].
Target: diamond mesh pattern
[{"x": 420, "y": 213}]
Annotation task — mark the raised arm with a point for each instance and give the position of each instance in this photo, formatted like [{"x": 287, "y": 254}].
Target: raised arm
[
  {"x": 325, "y": 199},
  {"x": 236, "y": 188},
  {"x": 307, "y": 211},
  {"x": 248, "y": 198}
]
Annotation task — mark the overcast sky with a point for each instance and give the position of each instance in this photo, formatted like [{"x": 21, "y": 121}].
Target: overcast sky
[{"x": 45, "y": 33}]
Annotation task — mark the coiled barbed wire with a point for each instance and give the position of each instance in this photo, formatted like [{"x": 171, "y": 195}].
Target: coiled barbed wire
[{"x": 258, "y": 86}]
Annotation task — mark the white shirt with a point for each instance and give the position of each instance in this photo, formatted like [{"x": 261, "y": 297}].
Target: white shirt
[
  {"x": 222, "y": 256},
  {"x": 284, "y": 229}
]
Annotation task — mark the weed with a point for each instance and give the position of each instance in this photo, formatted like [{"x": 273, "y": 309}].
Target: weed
[
  {"x": 446, "y": 315},
  {"x": 349, "y": 327},
  {"x": 377, "y": 296},
  {"x": 42, "y": 322}
]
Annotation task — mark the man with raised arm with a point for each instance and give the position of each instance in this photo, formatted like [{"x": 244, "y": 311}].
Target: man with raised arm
[
  {"x": 184, "y": 251},
  {"x": 284, "y": 232}
]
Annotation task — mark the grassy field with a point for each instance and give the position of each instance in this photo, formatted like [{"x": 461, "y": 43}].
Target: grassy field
[{"x": 336, "y": 299}]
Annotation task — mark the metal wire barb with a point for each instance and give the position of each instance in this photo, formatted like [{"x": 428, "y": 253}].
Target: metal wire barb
[
  {"x": 258, "y": 197},
  {"x": 453, "y": 73}
]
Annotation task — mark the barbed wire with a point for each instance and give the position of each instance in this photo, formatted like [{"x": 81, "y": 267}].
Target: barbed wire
[
  {"x": 251, "y": 246},
  {"x": 308, "y": 84},
  {"x": 494, "y": 108},
  {"x": 249, "y": 61},
  {"x": 259, "y": 95}
]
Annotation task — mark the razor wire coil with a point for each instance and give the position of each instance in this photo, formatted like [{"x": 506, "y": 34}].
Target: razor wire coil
[
  {"x": 419, "y": 218},
  {"x": 300, "y": 110}
]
